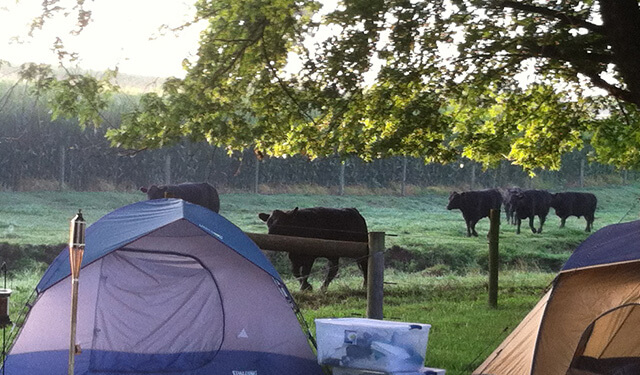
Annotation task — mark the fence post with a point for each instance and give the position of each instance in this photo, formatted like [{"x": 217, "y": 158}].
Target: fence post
[
  {"x": 375, "y": 276},
  {"x": 494, "y": 232},
  {"x": 62, "y": 166},
  {"x": 342, "y": 165},
  {"x": 473, "y": 176},
  {"x": 403, "y": 187},
  {"x": 256, "y": 177},
  {"x": 167, "y": 170},
  {"x": 582, "y": 172}
]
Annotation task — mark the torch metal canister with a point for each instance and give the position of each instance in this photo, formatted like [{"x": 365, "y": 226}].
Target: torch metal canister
[
  {"x": 4, "y": 307},
  {"x": 76, "y": 251}
]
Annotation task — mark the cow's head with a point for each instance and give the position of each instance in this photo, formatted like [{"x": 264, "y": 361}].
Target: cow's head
[
  {"x": 455, "y": 200},
  {"x": 278, "y": 217},
  {"x": 518, "y": 199},
  {"x": 156, "y": 192}
]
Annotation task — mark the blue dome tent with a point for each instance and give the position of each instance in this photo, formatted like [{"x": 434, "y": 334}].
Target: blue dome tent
[{"x": 166, "y": 287}]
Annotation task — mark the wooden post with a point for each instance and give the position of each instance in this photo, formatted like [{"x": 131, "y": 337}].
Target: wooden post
[
  {"x": 256, "y": 177},
  {"x": 494, "y": 232},
  {"x": 62, "y": 166},
  {"x": 342, "y": 165},
  {"x": 403, "y": 187},
  {"x": 309, "y": 246},
  {"x": 375, "y": 276},
  {"x": 473, "y": 176},
  {"x": 582, "y": 173},
  {"x": 167, "y": 170}
]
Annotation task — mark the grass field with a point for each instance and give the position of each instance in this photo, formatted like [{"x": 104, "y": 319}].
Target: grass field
[{"x": 435, "y": 274}]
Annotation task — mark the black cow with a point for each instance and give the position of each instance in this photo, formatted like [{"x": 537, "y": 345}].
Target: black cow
[
  {"x": 575, "y": 204},
  {"x": 201, "y": 194},
  {"x": 342, "y": 224},
  {"x": 474, "y": 206},
  {"x": 507, "y": 202},
  {"x": 529, "y": 204}
]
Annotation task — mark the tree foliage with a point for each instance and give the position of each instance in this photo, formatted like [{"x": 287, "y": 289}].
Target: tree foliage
[{"x": 488, "y": 79}]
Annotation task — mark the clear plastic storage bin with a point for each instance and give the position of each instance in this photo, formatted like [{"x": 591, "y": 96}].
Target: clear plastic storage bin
[
  {"x": 353, "y": 371},
  {"x": 371, "y": 344}
]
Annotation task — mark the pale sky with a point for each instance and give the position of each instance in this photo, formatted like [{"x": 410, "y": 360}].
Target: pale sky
[{"x": 118, "y": 36}]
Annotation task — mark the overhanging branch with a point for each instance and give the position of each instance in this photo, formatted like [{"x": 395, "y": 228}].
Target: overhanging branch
[
  {"x": 564, "y": 18},
  {"x": 613, "y": 90}
]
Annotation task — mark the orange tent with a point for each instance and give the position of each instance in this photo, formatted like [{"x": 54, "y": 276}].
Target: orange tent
[{"x": 589, "y": 322}]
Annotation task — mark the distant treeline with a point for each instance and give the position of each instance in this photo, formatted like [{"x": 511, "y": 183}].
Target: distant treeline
[{"x": 39, "y": 154}]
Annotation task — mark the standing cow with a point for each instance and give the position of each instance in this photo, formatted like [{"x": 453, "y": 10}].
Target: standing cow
[
  {"x": 507, "y": 202},
  {"x": 575, "y": 204},
  {"x": 529, "y": 204},
  {"x": 474, "y": 206},
  {"x": 201, "y": 194},
  {"x": 342, "y": 224}
]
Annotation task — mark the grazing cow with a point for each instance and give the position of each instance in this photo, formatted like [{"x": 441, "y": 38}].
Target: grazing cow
[
  {"x": 507, "y": 201},
  {"x": 342, "y": 224},
  {"x": 474, "y": 206},
  {"x": 529, "y": 204},
  {"x": 201, "y": 194},
  {"x": 575, "y": 204}
]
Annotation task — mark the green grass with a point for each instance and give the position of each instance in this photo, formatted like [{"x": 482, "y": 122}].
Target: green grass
[{"x": 428, "y": 241}]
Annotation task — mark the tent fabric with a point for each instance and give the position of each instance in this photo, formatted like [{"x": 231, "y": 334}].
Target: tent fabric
[
  {"x": 515, "y": 355},
  {"x": 587, "y": 323},
  {"x": 134, "y": 221},
  {"x": 578, "y": 299},
  {"x": 612, "y": 244},
  {"x": 175, "y": 300},
  {"x": 615, "y": 334}
]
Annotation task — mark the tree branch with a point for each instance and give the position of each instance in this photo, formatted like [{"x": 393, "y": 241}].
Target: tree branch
[
  {"x": 282, "y": 85},
  {"x": 564, "y": 18},
  {"x": 556, "y": 52},
  {"x": 613, "y": 90}
]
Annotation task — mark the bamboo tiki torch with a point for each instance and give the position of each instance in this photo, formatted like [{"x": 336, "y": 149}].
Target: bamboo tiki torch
[{"x": 76, "y": 251}]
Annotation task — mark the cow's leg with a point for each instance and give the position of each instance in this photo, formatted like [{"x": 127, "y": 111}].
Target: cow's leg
[
  {"x": 473, "y": 228},
  {"x": 297, "y": 264},
  {"x": 333, "y": 271},
  {"x": 589, "y": 219},
  {"x": 542, "y": 218},
  {"x": 563, "y": 220},
  {"x": 518, "y": 223},
  {"x": 468, "y": 222},
  {"x": 305, "y": 272},
  {"x": 533, "y": 229},
  {"x": 363, "y": 264}
]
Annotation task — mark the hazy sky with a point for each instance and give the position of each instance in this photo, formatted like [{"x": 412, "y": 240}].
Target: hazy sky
[{"x": 118, "y": 35}]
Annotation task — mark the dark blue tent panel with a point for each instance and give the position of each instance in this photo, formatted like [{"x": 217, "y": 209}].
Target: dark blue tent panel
[
  {"x": 612, "y": 244},
  {"x": 131, "y": 222}
]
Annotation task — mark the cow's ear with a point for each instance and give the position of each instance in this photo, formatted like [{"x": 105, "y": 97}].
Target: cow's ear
[
  {"x": 144, "y": 189},
  {"x": 264, "y": 217},
  {"x": 295, "y": 211}
]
